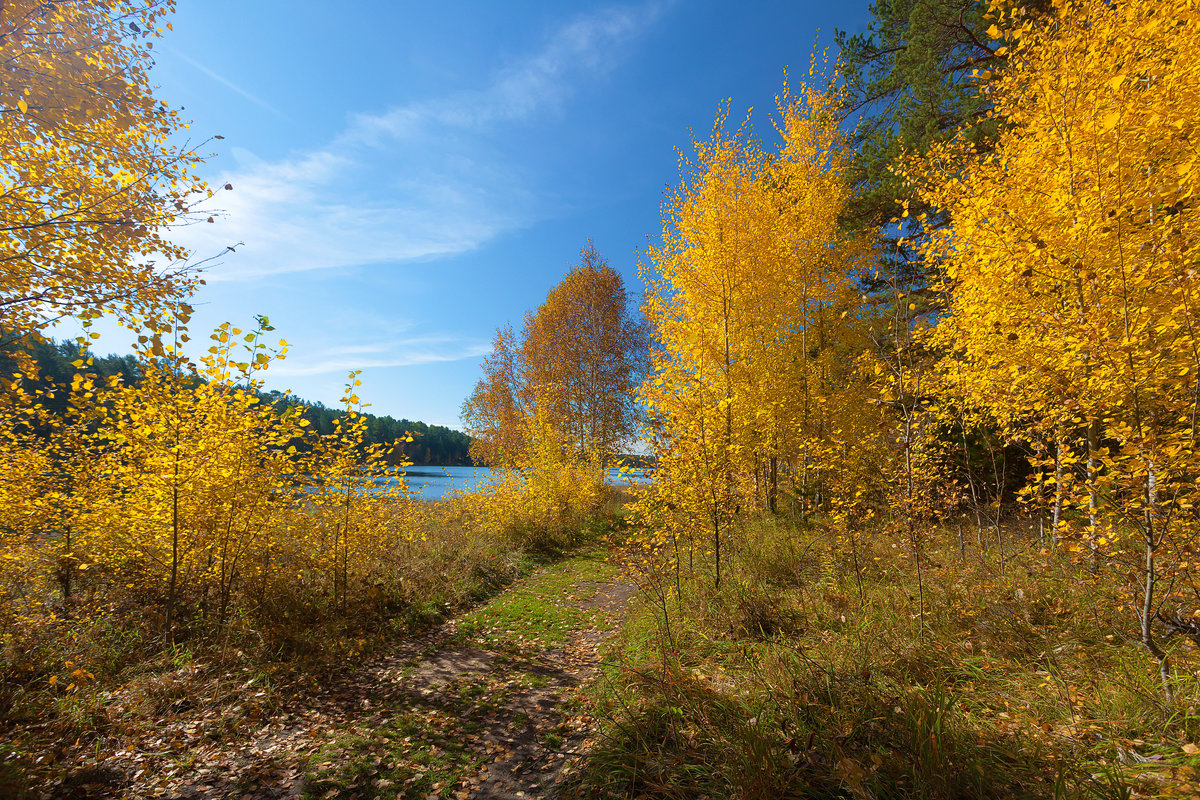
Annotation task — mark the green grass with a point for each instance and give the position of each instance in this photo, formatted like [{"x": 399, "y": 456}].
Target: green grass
[
  {"x": 542, "y": 609},
  {"x": 434, "y": 746}
]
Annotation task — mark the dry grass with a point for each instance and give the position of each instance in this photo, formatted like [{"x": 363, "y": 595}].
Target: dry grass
[{"x": 806, "y": 677}]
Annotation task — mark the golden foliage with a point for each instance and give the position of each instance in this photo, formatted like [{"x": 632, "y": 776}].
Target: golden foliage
[
  {"x": 544, "y": 498},
  {"x": 187, "y": 487},
  {"x": 578, "y": 361},
  {"x": 583, "y": 358},
  {"x": 494, "y": 414},
  {"x": 1069, "y": 264},
  {"x": 90, "y": 171},
  {"x": 752, "y": 393}
]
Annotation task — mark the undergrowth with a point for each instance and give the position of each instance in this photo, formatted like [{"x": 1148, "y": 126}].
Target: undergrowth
[
  {"x": 810, "y": 673},
  {"x": 99, "y": 670}
]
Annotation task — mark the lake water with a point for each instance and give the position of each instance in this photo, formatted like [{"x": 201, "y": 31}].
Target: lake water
[{"x": 434, "y": 483}]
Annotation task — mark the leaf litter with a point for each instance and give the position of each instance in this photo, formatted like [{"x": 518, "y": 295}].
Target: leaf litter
[{"x": 487, "y": 705}]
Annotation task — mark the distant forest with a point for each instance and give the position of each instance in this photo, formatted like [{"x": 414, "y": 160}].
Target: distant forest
[{"x": 431, "y": 445}]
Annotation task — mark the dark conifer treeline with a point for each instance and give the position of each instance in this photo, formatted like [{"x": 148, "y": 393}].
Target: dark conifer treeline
[{"x": 431, "y": 444}]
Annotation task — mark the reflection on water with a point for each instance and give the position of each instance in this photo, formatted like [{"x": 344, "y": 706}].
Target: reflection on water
[{"x": 434, "y": 483}]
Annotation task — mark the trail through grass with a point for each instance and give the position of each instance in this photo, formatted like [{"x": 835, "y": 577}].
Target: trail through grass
[{"x": 486, "y": 705}]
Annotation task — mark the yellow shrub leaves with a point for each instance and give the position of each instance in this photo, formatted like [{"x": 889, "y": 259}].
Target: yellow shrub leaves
[{"x": 186, "y": 486}]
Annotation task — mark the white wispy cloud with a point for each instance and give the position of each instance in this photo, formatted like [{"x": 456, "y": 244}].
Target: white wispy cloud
[
  {"x": 221, "y": 79},
  {"x": 400, "y": 353},
  {"x": 415, "y": 182},
  {"x": 585, "y": 46}
]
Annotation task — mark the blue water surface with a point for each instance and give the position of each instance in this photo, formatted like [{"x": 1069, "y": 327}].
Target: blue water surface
[{"x": 434, "y": 483}]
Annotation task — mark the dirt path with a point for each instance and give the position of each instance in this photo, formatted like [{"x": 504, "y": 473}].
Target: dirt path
[{"x": 484, "y": 706}]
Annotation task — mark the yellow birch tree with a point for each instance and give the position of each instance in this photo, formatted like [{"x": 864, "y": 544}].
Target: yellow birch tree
[
  {"x": 1070, "y": 266},
  {"x": 91, "y": 171}
]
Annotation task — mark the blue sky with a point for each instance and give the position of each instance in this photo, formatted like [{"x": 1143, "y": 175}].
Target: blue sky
[{"x": 409, "y": 176}]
